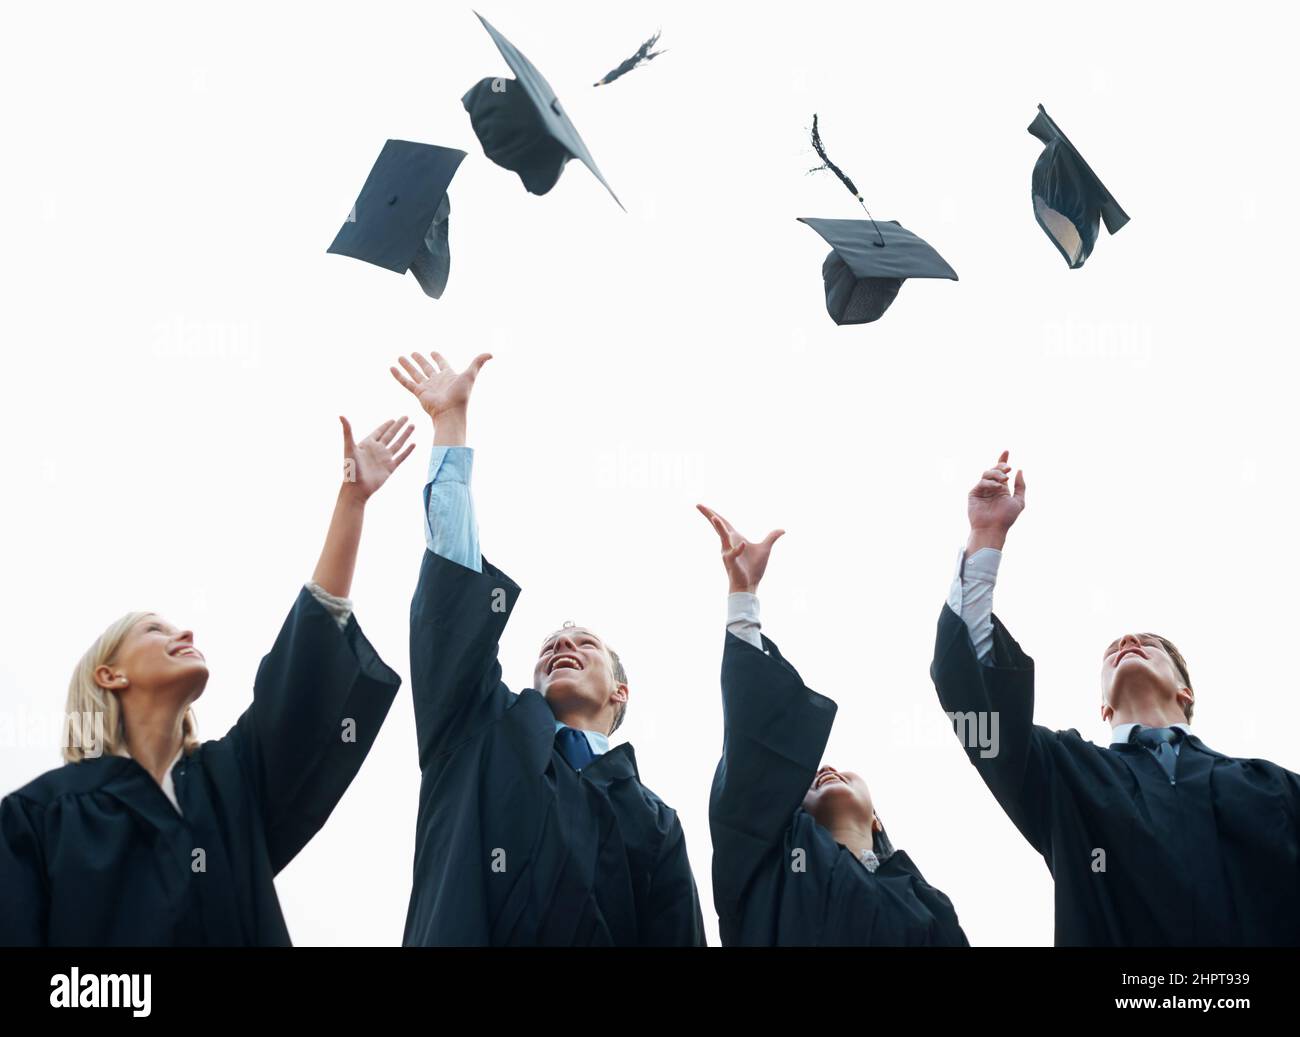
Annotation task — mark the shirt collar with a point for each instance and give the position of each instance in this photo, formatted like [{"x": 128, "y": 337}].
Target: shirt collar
[
  {"x": 599, "y": 743},
  {"x": 1122, "y": 732}
]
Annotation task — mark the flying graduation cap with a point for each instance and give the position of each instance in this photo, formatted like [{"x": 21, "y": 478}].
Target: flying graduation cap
[
  {"x": 869, "y": 259},
  {"x": 400, "y": 219},
  {"x": 521, "y": 125},
  {"x": 1069, "y": 197}
]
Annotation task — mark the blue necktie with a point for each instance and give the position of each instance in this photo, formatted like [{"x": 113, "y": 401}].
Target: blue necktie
[
  {"x": 574, "y": 747},
  {"x": 1160, "y": 740}
]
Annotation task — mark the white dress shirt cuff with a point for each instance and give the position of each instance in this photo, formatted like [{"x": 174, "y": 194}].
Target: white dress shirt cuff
[
  {"x": 339, "y": 608},
  {"x": 742, "y": 618}
]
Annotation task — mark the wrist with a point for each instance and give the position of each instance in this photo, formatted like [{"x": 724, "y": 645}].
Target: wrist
[
  {"x": 449, "y": 428},
  {"x": 742, "y": 588},
  {"x": 352, "y": 495},
  {"x": 982, "y": 538}
]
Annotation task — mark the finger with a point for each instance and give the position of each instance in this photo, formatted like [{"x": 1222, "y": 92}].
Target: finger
[
  {"x": 723, "y": 535},
  {"x": 735, "y": 552},
  {"x": 990, "y": 488},
  {"x": 405, "y": 382},
  {"x": 1005, "y": 456},
  {"x": 378, "y": 434},
  {"x": 1020, "y": 486},
  {"x": 994, "y": 473},
  {"x": 476, "y": 365},
  {"x": 348, "y": 445},
  {"x": 391, "y": 428},
  {"x": 406, "y": 434},
  {"x": 428, "y": 368},
  {"x": 409, "y": 368},
  {"x": 773, "y": 537},
  {"x": 405, "y": 454},
  {"x": 440, "y": 360}
]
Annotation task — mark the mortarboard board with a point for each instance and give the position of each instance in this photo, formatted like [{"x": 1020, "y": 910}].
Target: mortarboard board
[
  {"x": 868, "y": 263},
  {"x": 1068, "y": 196},
  {"x": 521, "y": 124},
  {"x": 400, "y": 218}
]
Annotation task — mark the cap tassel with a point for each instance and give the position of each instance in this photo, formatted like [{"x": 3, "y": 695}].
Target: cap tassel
[
  {"x": 644, "y": 54},
  {"x": 820, "y": 148}
]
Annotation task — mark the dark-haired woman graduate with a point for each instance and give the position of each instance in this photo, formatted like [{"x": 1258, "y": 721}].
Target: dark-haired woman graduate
[
  {"x": 800, "y": 857},
  {"x": 145, "y": 836}
]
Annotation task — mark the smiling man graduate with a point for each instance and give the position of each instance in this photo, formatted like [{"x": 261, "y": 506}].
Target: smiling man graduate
[
  {"x": 1153, "y": 840},
  {"x": 531, "y": 829}
]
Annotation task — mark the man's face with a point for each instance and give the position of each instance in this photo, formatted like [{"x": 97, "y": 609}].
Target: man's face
[
  {"x": 839, "y": 797},
  {"x": 574, "y": 668},
  {"x": 1136, "y": 663}
]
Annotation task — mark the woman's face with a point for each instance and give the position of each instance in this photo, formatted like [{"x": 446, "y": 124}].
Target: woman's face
[
  {"x": 839, "y": 798},
  {"x": 158, "y": 656}
]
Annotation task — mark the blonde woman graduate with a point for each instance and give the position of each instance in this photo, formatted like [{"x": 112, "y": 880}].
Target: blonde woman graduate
[{"x": 145, "y": 836}]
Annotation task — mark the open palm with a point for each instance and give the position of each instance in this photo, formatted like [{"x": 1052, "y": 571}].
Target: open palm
[
  {"x": 440, "y": 389},
  {"x": 744, "y": 560},
  {"x": 993, "y": 505},
  {"x": 368, "y": 464}
]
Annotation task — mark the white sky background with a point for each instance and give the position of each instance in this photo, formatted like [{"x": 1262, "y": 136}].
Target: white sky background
[{"x": 178, "y": 345}]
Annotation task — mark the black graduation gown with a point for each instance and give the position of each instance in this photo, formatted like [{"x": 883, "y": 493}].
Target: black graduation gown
[
  {"x": 767, "y": 892},
  {"x": 94, "y": 853},
  {"x": 512, "y": 846},
  {"x": 1213, "y": 859}
]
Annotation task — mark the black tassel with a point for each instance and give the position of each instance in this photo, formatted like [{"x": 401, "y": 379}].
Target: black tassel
[
  {"x": 820, "y": 148},
  {"x": 644, "y": 54}
]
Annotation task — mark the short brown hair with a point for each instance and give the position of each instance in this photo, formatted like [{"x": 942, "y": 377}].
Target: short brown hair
[{"x": 1180, "y": 663}]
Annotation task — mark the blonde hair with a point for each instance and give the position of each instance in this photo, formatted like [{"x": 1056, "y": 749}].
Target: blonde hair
[{"x": 87, "y": 702}]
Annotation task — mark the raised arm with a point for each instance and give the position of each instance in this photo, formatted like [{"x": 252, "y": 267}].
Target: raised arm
[
  {"x": 461, "y": 603},
  {"x": 774, "y": 732},
  {"x": 984, "y": 680},
  {"x": 322, "y": 692}
]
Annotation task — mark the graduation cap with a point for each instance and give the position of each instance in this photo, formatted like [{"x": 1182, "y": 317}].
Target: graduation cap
[
  {"x": 400, "y": 218},
  {"x": 1068, "y": 196},
  {"x": 869, "y": 259},
  {"x": 868, "y": 263},
  {"x": 521, "y": 125}
]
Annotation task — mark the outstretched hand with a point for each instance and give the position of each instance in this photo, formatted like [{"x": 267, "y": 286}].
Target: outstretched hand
[
  {"x": 744, "y": 560},
  {"x": 994, "y": 504},
  {"x": 442, "y": 391},
  {"x": 368, "y": 464}
]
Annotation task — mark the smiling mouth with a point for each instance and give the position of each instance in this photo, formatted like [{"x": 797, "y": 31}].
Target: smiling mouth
[
  {"x": 1130, "y": 651},
  {"x": 188, "y": 650},
  {"x": 828, "y": 777},
  {"x": 563, "y": 662}
]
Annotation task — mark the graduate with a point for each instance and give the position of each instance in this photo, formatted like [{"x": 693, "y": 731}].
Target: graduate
[
  {"x": 531, "y": 829},
  {"x": 1154, "y": 839},
  {"x": 800, "y": 857},
  {"x": 147, "y": 837}
]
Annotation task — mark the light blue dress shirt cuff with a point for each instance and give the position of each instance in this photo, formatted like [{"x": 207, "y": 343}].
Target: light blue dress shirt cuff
[
  {"x": 450, "y": 529},
  {"x": 742, "y": 618},
  {"x": 971, "y": 596}
]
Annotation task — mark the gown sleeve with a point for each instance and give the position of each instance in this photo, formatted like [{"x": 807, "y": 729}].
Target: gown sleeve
[
  {"x": 24, "y": 904},
  {"x": 774, "y": 733},
  {"x": 319, "y": 699},
  {"x": 457, "y": 618},
  {"x": 1018, "y": 770},
  {"x": 675, "y": 919}
]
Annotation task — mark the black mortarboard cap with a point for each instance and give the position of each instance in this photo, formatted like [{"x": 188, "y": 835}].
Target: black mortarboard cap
[
  {"x": 521, "y": 124},
  {"x": 1069, "y": 197},
  {"x": 862, "y": 275},
  {"x": 400, "y": 218}
]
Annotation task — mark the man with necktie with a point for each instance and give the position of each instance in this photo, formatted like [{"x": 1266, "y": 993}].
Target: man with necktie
[
  {"x": 531, "y": 830},
  {"x": 1154, "y": 840}
]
